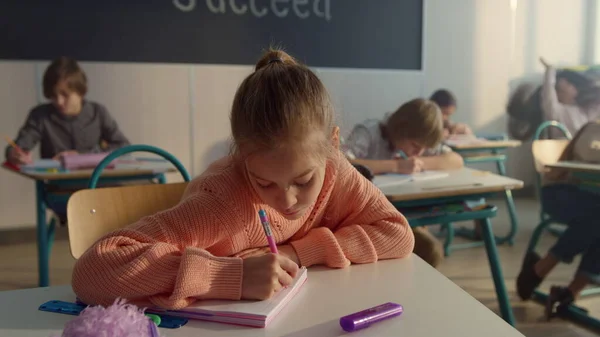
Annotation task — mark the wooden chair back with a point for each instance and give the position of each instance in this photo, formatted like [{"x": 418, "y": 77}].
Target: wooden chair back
[
  {"x": 547, "y": 151},
  {"x": 93, "y": 213}
]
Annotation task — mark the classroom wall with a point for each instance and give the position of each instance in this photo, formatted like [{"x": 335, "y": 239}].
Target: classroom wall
[{"x": 478, "y": 49}]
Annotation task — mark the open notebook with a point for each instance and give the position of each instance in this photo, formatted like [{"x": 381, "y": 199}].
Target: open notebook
[
  {"x": 385, "y": 180},
  {"x": 250, "y": 313}
]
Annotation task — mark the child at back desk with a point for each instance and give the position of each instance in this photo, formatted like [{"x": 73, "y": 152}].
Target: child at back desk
[
  {"x": 447, "y": 103},
  {"x": 69, "y": 124},
  {"x": 569, "y": 202},
  {"x": 212, "y": 244},
  {"x": 416, "y": 130}
]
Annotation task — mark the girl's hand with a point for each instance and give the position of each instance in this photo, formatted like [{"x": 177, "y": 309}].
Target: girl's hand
[
  {"x": 409, "y": 166},
  {"x": 544, "y": 62},
  {"x": 289, "y": 252},
  {"x": 265, "y": 275},
  {"x": 285, "y": 250}
]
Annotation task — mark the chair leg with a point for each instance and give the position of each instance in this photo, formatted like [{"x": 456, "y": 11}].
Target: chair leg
[
  {"x": 42, "y": 236},
  {"x": 50, "y": 234},
  {"x": 449, "y": 228},
  {"x": 510, "y": 204},
  {"x": 496, "y": 269}
]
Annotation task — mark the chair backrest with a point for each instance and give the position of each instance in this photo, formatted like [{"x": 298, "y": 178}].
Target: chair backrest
[
  {"x": 93, "y": 213},
  {"x": 547, "y": 151}
]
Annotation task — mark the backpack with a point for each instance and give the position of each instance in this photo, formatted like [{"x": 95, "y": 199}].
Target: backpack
[
  {"x": 586, "y": 144},
  {"x": 525, "y": 111}
]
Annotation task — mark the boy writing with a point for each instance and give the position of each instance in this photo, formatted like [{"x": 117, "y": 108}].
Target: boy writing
[
  {"x": 69, "y": 124},
  {"x": 416, "y": 131}
]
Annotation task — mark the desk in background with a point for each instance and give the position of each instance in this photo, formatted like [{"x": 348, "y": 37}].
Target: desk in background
[
  {"x": 492, "y": 151},
  {"x": 433, "y": 306},
  {"x": 576, "y": 166},
  {"x": 459, "y": 186},
  {"x": 590, "y": 180},
  {"x": 142, "y": 171}
]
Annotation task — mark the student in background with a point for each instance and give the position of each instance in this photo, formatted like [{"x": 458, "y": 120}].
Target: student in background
[
  {"x": 212, "y": 245},
  {"x": 69, "y": 123},
  {"x": 571, "y": 203},
  {"x": 569, "y": 97},
  {"x": 447, "y": 103},
  {"x": 416, "y": 130}
]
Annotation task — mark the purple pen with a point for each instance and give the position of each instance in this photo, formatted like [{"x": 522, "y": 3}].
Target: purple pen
[{"x": 362, "y": 319}]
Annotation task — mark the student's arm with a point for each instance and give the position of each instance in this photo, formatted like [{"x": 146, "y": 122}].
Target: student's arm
[
  {"x": 30, "y": 133},
  {"x": 378, "y": 166},
  {"x": 445, "y": 159},
  {"x": 163, "y": 258},
  {"x": 357, "y": 147},
  {"x": 552, "y": 109},
  {"x": 111, "y": 133},
  {"x": 360, "y": 226}
]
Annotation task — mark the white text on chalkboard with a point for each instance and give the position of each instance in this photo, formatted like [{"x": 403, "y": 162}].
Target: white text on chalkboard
[{"x": 260, "y": 8}]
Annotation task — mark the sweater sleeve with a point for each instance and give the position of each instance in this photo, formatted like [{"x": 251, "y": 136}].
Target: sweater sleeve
[
  {"x": 553, "y": 110},
  {"x": 30, "y": 133},
  {"x": 364, "y": 226},
  {"x": 163, "y": 259},
  {"x": 111, "y": 133}
]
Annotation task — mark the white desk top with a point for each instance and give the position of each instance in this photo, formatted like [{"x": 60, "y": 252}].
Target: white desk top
[
  {"x": 465, "y": 181},
  {"x": 575, "y": 166},
  {"x": 127, "y": 170},
  {"x": 433, "y": 306},
  {"x": 482, "y": 144}
]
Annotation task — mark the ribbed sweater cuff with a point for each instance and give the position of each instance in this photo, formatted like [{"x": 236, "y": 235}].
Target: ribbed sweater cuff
[
  {"x": 223, "y": 274},
  {"x": 319, "y": 246}
]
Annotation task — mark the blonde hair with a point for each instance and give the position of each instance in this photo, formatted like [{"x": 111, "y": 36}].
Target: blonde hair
[
  {"x": 279, "y": 104},
  {"x": 418, "y": 120}
]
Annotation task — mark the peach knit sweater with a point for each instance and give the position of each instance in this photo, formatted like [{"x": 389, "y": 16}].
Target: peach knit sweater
[{"x": 188, "y": 253}]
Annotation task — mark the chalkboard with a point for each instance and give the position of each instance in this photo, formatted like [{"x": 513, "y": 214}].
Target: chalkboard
[{"x": 385, "y": 34}]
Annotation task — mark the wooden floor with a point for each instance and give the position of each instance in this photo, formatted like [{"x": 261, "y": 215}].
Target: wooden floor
[{"x": 468, "y": 268}]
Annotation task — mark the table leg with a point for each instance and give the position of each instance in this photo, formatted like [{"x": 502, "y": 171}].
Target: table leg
[
  {"x": 496, "y": 269},
  {"x": 42, "y": 235},
  {"x": 449, "y": 228}
]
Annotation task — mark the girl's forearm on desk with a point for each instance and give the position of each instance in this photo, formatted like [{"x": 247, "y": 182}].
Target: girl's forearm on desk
[{"x": 446, "y": 161}]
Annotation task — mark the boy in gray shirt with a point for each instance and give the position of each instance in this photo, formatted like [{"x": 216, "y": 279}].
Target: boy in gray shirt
[
  {"x": 406, "y": 142},
  {"x": 69, "y": 124}
]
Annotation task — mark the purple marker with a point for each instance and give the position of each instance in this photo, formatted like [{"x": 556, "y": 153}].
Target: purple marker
[{"x": 362, "y": 319}]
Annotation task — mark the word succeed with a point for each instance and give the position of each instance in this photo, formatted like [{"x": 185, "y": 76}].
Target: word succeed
[{"x": 260, "y": 8}]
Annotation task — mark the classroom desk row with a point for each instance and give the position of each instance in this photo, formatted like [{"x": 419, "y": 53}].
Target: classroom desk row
[
  {"x": 433, "y": 306},
  {"x": 330, "y": 294}
]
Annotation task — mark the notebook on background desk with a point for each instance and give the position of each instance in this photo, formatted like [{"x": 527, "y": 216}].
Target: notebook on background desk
[
  {"x": 249, "y": 313},
  {"x": 391, "y": 179}
]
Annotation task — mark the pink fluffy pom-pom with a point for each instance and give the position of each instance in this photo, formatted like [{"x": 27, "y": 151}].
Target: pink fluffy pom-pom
[{"x": 117, "y": 320}]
